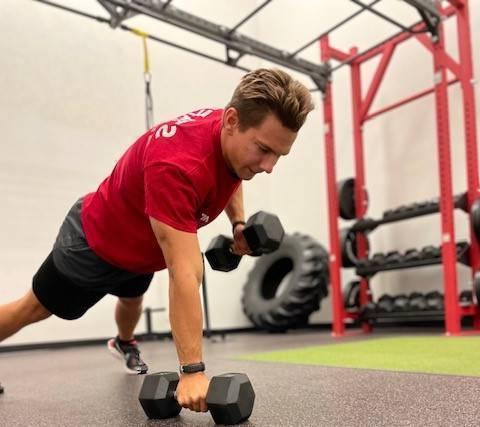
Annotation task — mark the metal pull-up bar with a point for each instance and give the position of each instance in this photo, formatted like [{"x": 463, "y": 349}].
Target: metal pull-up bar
[
  {"x": 238, "y": 45},
  {"x": 241, "y": 44}
]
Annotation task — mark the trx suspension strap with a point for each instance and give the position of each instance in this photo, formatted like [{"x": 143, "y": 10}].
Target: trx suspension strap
[{"x": 148, "y": 78}]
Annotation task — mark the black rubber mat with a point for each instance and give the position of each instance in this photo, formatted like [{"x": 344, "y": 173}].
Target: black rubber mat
[{"x": 87, "y": 387}]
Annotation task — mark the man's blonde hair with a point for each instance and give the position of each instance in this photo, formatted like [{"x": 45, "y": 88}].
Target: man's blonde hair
[{"x": 265, "y": 91}]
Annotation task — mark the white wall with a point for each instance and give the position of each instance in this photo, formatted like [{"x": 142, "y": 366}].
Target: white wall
[{"x": 72, "y": 101}]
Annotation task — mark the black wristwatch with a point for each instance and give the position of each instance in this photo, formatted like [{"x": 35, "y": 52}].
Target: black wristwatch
[
  {"x": 192, "y": 368},
  {"x": 235, "y": 224}
]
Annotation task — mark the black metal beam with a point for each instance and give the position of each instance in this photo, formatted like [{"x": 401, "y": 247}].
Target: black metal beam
[
  {"x": 336, "y": 26},
  {"x": 189, "y": 50},
  {"x": 243, "y": 45},
  {"x": 381, "y": 15},
  {"x": 429, "y": 13},
  {"x": 116, "y": 16},
  {"x": 249, "y": 16},
  {"x": 358, "y": 55},
  {"x": 74, "y": 11},
  {"x": 149, "y": 36},
  {"x": 167, "y": 3},
  {"x": 426, "y": 6}
]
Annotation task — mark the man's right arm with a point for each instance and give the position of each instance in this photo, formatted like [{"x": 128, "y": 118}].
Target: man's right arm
[{"x": 182, "y": 255}]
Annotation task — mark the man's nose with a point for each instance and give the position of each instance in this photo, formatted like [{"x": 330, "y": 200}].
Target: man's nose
[{"x": 268, "y": 163}]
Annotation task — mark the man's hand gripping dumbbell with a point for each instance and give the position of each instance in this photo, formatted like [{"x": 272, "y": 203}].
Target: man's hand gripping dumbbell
[{"x": 262, "y": 234}]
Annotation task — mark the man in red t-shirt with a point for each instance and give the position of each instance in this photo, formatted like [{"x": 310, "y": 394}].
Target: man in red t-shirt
[{"x": 176, "y": 178}]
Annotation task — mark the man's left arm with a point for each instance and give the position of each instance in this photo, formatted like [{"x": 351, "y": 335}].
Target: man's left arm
[
  {"x": 234, "y": 209},
  {"x": 236, "y": 215}
]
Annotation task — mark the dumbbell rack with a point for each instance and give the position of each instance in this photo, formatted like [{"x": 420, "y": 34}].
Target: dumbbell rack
[
  {"x": 463, "y": 74},
  {"x": 369, "y": 270}
]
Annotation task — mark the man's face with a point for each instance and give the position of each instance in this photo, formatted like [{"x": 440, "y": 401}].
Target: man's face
[{"x": 255, "y": 150}]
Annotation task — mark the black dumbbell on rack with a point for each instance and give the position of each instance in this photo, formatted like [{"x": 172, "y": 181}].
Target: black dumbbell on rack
[
  {"x": 434, "y": 301},
  {"x": 351, "y": 295},
  {"x": 378, "y": 259},
  {"x": 385, "y": 304},
  {"x": 263, "y": 233},
  {"x": 401, "y": 303},
  {"x": 412, "y": 255},
  {"x": 393, "y": 257},
  {"x": 230, "y": 397},
  {"x": 466, "y": 297},
  {"x": 417, "y": 301},
  {"x": 430, "y": 252}
]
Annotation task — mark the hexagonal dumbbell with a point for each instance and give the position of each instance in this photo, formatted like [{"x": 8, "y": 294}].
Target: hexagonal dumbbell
[
  {"x": 230, "y": 397},
  {"x": 263, "y": 233}
]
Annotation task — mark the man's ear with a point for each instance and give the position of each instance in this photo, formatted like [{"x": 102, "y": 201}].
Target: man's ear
[{"x": 230, "y": 120}]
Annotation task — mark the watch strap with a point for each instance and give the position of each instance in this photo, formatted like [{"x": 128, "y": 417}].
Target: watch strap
[{"x": 192, "y": 368}]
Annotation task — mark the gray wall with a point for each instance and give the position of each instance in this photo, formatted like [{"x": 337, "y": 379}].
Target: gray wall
[{"x": 72, "y": 101}]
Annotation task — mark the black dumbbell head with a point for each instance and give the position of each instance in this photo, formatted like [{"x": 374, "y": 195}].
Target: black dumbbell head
[
  {"x": 393, "y": 257},
  {"x": 412, "y": 255},
  {"x": 434, "y": 300},
  {"x": 346, "y": 198},
  {"x": 475, "y": 217},
  {"x": 219, "y": 255},
  {"x": 348, "y": 243},
  {"x": 401, "y": 303},
  {"x": 466, "y": 296},
  {"x": 378, "y": 259},
  {"x": 351, "y": 295},
  {"x": 368, "y": 309},
  {"x": 417, "y": 301},
  {"x": 230, "y": 398},
  {"x": 429, "y": 252},
  {"x": 263, "y": 231},
  {"x": 385, "y": 304},
  {"x": 157, "y": 395}
]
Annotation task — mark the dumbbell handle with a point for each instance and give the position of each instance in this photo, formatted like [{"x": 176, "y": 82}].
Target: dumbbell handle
[
  {"x": 174, "y": 395},
  {"x": 257, "y": 252}
]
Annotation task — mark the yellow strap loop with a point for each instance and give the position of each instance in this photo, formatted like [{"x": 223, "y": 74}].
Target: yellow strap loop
[
  {"x": 144, "y": 36},
  {"x": 147, "y": 76}
]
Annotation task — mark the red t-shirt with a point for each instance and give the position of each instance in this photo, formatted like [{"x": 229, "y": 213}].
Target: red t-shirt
[{"x": 174, "y": 173}]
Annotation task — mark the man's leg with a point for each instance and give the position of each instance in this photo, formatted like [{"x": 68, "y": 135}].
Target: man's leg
[
  {"x": 22, "y": 312},
  {"x": 127, "y": 315}
]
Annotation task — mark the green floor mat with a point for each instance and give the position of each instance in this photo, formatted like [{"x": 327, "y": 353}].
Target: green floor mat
[{"x": 439, "y": 355}]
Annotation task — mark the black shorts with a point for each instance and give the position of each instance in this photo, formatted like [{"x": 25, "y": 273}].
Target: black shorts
[{"x": 73, "y": 278}]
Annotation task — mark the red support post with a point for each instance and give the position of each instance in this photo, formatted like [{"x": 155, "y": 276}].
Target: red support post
[
  {"x": 335, "y": 254},
  {"x": 458, "y": 3},
  {"x": 449, "y": 257},
  {"x": 469, "y": 115},
  {"x": 361, "y": 202},
  {"x": 444, "y": 57}
]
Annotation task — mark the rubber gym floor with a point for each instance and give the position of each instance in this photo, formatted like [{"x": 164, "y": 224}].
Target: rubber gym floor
[{"x": 85, "y": 386}]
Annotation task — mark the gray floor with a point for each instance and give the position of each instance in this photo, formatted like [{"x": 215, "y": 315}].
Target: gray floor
[{"x": 86, "y": 387}]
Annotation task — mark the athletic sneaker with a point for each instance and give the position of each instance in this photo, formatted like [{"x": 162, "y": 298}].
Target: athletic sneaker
[{"x": 128, "y": 351}]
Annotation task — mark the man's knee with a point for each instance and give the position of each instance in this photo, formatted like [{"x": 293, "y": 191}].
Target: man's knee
[
  {"x": 33, "y": 309},
  {"x": 131, "y": 302}
]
